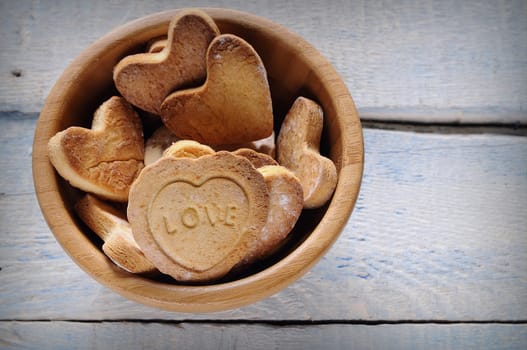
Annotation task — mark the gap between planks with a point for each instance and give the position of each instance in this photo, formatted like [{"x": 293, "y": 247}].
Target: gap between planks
[
  {"x": 447, "y": 128},
  {"x": 283, "y": 322},
  {"x": 515, "y": 129}
]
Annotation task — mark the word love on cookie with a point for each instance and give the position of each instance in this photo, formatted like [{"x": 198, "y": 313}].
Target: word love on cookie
[
  {"x": 184, "y": 215},
  {"x": 192, "y": 216},
  {"x": 195, "y": 218}
]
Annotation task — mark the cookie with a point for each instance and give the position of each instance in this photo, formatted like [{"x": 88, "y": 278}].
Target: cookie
[
  {"x": 234, "y": 104},
  {"x": 111, "y": 226},
  {"x": 105, "y": 159},
  {"x": 285, "y": 206},
  {"x": 145, "y": 79},
  {"x": 257, "y": 159},
  {"x": 195, "y": 218},
  {"x": 157, "y": 143},
  {"x": 187, "y": 149},
  {"x": 163, "y": 138},
  {"x": 298, "y": 149}
]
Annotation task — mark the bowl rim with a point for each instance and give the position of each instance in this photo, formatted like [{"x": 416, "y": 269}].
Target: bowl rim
[{"x": 214, "y": 297}]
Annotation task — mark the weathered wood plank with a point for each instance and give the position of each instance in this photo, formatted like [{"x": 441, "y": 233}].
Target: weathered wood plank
[
  {"x": 438, "y": 233},
  {"x": 75, "y": 335},
  {"x": 16, "y": 135},
  {"x": 402, "y": 60}
]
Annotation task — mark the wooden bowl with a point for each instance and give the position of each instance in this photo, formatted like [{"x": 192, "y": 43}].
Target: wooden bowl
[{"x": 294, "y": 68}]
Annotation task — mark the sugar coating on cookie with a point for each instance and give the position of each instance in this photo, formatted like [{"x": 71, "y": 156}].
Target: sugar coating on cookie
[
  {"x": 145, "y": 79},
  {"x": 232, "y": 106},
  {"x": 286, "y": 201},
  {"x": 298, "y": 149},
  {"x": 105, "y": 159},
  {"x": 195, "y": 218}
]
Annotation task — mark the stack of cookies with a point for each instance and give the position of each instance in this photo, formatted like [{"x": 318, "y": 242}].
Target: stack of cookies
[{"x": 213, "y": 189}]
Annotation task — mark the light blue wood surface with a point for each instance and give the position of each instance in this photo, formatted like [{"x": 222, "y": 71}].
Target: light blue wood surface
[
  {"x": 435, "y": 252},
  {"x": 45, "y": 335}
]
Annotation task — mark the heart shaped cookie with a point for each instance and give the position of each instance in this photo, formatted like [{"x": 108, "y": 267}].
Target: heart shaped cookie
[
  {"x": 233, "y": 106},
  {"x": 110, "y": 225},
  {"x": 285, "y": 205},
  {"x": 298, "y": 149},
  {"x": 145, "y": 79},
  {"x": 187, "y": 149},
  {"x": 105, "y": 159},
  {"x": 195, "y": 218},
  {"x": 162, "y": 138},
  {"x": 257, "y": 159}
]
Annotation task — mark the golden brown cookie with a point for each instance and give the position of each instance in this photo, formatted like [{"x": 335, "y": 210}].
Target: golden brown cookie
[
  {"x": 195, "y": 218},
  {"x": 257, "y": 159},
  {"x": 105, "y": 159},
  {"x": 298, "y": 149},
  {"x": 157, "y": 143},
  {"x": 233, "y": 106},
  {"x": 187, "y": 149},
  {"x": 145, "y": 79},
  {"x": 111, "y": 226},
  {"x": 285, "y": 206}
]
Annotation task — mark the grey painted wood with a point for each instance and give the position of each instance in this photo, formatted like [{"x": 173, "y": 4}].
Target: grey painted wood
[
  {"x": 438, "y": 233},
  {"x": 16, "y": 133},
  {"x": 429, "y": 61},
  {"x": 75, "y": 335}
]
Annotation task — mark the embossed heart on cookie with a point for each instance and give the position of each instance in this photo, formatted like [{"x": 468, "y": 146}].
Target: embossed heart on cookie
[
  {"x": 233, "y": 106},
  {"x": 195, "y": 218},
  {"x": 105, "y": 159},
  {"x": 200, "y": 233},
  {"x": 145, "y": 79}
]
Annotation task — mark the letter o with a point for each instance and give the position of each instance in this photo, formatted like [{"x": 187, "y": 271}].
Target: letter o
[{"x": 190, "y": 217}]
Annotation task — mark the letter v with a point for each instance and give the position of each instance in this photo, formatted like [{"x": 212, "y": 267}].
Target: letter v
[{"x": 210, "y": 213}]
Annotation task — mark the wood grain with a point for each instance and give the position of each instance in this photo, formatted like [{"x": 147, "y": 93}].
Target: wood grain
[
  {"x": 17, "y": 133},
  {"x": 422, "y": 61},
  {"x": 62, "y": 335},
  {"x": 438, "y": 233}
]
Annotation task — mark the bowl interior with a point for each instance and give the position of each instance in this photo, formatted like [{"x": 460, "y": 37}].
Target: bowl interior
[{"x": 294, "y": 68}]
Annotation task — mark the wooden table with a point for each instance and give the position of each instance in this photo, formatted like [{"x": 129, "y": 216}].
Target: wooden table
[{"x": 435, "y": 253}]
